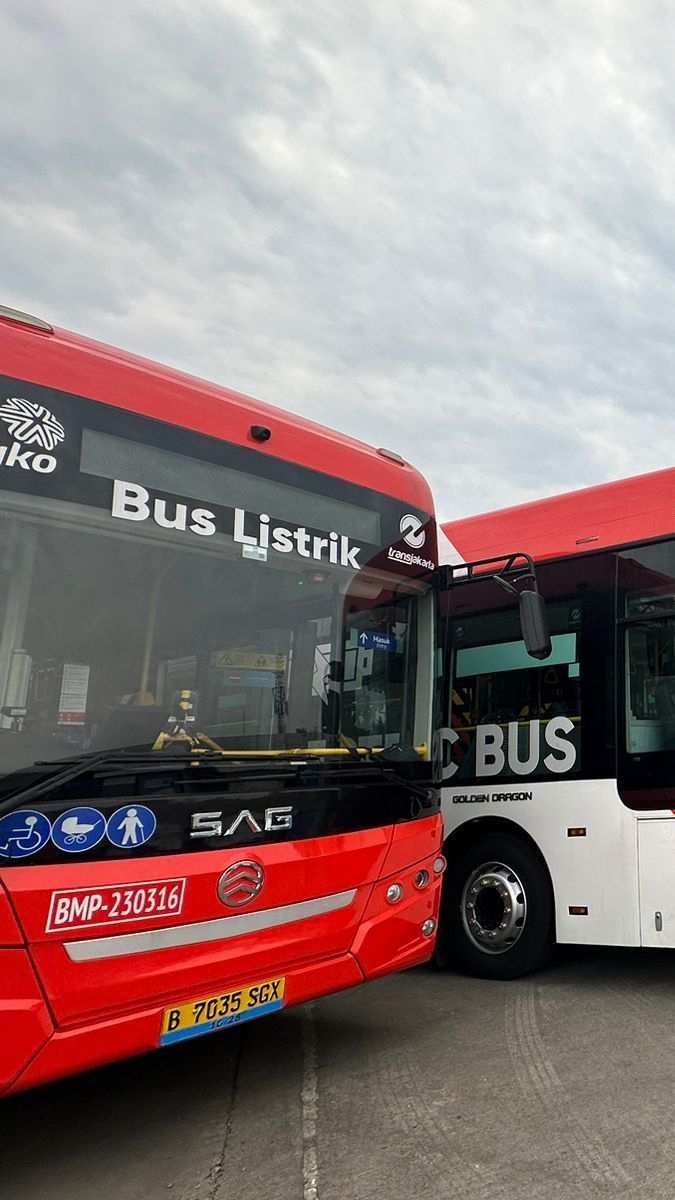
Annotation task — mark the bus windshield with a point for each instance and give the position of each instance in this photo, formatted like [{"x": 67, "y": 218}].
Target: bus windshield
[{"x": 111, "y": 637}]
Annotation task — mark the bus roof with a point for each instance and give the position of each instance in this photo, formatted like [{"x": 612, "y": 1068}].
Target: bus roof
[
  {"x": 34, "y": 351},
  {"x": 610, "y": 514}
]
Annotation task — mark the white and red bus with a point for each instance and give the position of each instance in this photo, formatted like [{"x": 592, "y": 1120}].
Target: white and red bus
[
  {"x": 559, "y": 776},
  {"x": 217, "y": 666}
]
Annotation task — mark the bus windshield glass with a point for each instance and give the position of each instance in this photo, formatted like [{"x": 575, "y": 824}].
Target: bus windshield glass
[{"x": 130, "y": 615}]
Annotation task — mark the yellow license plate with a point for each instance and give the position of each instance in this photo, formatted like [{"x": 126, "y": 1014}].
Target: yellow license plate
[{"x": 211, "y": 1013}]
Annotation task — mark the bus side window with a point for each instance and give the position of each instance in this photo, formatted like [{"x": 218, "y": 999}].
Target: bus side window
[
  {"x": 650, "y": 690},
  {"x": 510, "y": 717}
]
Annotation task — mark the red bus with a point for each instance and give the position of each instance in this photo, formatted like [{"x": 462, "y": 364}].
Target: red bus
[
  {"x": 559, "y": 785},
  {"x": 217, "y": 795}
]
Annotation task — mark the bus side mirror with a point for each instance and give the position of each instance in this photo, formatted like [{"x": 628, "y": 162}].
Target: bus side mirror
[{"x": 533, "y": 624}]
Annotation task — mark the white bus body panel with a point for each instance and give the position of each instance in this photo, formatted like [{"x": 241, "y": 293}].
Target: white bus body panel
[
  {"x": 623, "y": 870},
  {"x": 656, "y": 843}
]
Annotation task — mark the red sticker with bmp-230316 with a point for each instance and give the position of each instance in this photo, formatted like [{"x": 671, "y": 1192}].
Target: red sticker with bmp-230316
[{"x": 84, "y": 908}]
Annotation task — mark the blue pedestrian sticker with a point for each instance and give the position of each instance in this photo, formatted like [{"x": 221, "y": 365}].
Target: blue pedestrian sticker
[
  {"x": 131, "y": 827},
  {"x": 378, "y": 641},
  {"x": 23, "y": 833},
  {"x": 78, "y": 830}
]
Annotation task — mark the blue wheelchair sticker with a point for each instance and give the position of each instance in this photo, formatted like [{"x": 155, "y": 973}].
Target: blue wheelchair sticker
[
  {"x": 78, "y": 830},
  {"x": 131, "y": 827},
  {"x": 23, "y": 833}
]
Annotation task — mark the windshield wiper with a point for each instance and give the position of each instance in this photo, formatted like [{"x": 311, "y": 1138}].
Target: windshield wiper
[
  {"x": 394, "y": 776},
  {"x": 67, "y": 770}
]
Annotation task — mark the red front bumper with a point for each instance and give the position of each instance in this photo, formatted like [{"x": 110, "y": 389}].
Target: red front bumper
[{"x": 34, "y": 1050}]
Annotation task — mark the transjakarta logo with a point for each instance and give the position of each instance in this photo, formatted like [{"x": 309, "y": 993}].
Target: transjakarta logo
[
  {"x": 414, "y": 534},
  {"x": 412, "y": 531},
  {"x": 495, "y": 752},
  {"x": 30, "y": 424},
  {"x": 131, "y": 502}
]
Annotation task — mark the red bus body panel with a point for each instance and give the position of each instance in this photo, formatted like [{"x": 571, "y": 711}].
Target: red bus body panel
[
  {"x": 64, "y": 1016},
  {"x": 595, "y": 518},
  {"x": 74, "y": 364}
]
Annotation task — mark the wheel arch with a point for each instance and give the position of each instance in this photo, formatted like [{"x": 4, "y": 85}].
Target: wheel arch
[
  {"x": 478, "y": 827},
  {"x": 463, "y": 838}
]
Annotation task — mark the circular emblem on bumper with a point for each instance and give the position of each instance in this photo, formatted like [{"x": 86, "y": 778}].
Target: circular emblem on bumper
[{"x": 241, "y": 883}]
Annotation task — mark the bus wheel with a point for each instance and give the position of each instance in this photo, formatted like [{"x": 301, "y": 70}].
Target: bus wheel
[{"x": 497, "y": 917}]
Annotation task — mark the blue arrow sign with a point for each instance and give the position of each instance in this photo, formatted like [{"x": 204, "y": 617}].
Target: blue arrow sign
[{"x": 378, "y": 641}]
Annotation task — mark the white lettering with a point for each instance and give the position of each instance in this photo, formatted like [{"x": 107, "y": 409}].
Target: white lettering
[
  {"x": 95, "y": 902},
  {"x": 202, "y": 522},
  {"x": 78, "y": 908},
  {"x": 179, "y": 521},
  {"x": 239, "y": 535},
  {"x": 18, "y": 457},
  {"x": 302, "y": 540},
  {"x": 44, "y": 463},
  {"x": 449, "y": 736},
  {"x": 489, "y": 753},
  {"x": 530, "y": 764},
  {"x": 411, "y": 560},
  {"x": 493, "y": 757},
  {"x": 27, "y": 460},
  {"x": 282, "y": 540},
  {"x": 62, "y": 912},
  {"x": 557, "y": 726},
  {"x": 130, "y": 501},
  {"x": 348, "y": 554}
]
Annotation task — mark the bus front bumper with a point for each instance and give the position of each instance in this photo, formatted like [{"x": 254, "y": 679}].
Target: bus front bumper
[{"x": 393, "y": 935}]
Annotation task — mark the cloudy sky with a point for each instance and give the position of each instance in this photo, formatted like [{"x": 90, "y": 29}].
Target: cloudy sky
[{"x": 446, "y": 227}]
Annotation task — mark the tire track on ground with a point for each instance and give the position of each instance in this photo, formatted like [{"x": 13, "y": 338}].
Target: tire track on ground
[
  {"x": 412, "y": 1109},
  {"x": 538, "y": 1079}
]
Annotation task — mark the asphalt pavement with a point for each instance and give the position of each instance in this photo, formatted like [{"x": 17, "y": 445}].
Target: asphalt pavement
[{"x": 424, "y": 1085}]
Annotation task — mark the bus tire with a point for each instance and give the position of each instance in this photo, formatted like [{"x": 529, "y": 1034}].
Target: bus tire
[{"x": 497, "y": 913}]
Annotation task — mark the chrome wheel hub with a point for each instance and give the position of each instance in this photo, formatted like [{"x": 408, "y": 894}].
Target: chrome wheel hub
[{"x": 493, "y": 908}]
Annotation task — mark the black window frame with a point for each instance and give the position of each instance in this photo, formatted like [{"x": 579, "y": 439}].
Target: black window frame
[{"x": 561, "y": 580}]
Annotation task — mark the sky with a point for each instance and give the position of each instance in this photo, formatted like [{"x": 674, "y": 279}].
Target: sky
[{"x": 444, "y": 227}]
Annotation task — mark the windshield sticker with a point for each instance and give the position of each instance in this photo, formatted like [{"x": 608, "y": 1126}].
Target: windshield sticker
[
  {"x": 131, "y": 827},
  {"x": 23, "y": 833},
  {"x": 248, "y": 658},
  {"x": 73, "y": 699},
  {"x": 30, "y": 424},
  {"x": 78, "y": 829},
  {"x": 81, "y": 908}
]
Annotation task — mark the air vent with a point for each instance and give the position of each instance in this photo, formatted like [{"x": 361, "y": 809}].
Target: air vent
[{"x": 22, "y": 318}]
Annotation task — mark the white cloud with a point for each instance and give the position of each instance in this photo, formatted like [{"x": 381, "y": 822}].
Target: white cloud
[{"x": 444, "y": 227}]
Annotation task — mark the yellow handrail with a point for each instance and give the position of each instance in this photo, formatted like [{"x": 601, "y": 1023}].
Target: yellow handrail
[{"x": 314, "y": 752}]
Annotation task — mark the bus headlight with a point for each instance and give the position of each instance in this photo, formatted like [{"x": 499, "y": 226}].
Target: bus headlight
[{"x": 394, "y": 893}]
